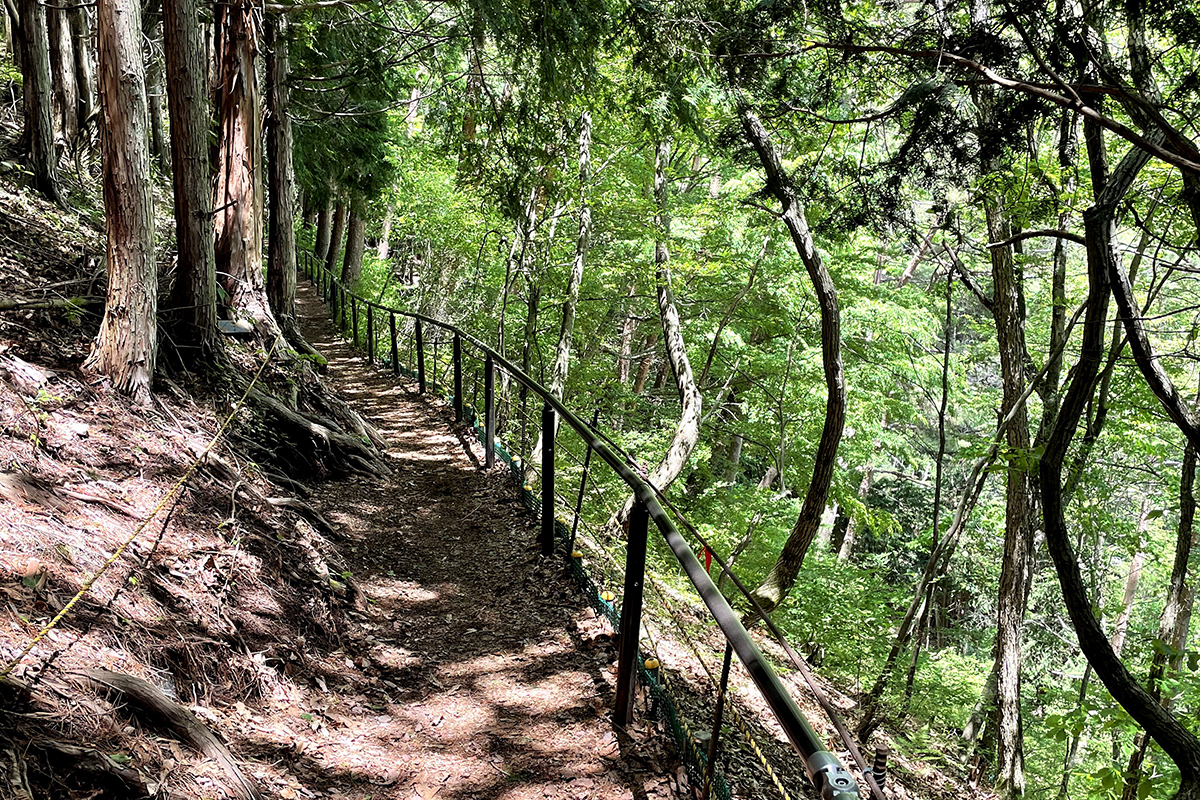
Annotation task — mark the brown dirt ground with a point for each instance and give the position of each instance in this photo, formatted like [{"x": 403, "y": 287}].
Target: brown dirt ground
[{"x": 466, "y": 676}]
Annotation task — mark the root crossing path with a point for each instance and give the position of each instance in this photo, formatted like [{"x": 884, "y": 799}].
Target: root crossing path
[{"x": 469, "y": 672}]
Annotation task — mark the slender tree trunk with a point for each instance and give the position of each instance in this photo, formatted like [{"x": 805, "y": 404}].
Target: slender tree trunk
[
  {"x": 628, "y": 327},
  {"x": 334, "y": 252},
  {"x": 1018, "y": 532},
  {"x": 324, "y": 229},
  {"x": 39, "y": 120},
  {"x": 562, "y": 352},
  {"x": 781, "y": 577},
  {"x": 126, "y": 346},
  {"x": 155, "y": 91},
  {"x": 356, "y": 232},
  {"x": 864, "y": 490},
  {"x": 62, "y": 71},
  {"x": 385, "y": 236},
  {"x": 1176, "y": 614},
  {"x": 194, "y": 295},
  {"x": 1177, "y": 741},
  {"x": 281, "y": 174},
  {"x": 85, "y": 84},
  {"x": 239, "y": 195},
  {"x": 687, "y": 430}
]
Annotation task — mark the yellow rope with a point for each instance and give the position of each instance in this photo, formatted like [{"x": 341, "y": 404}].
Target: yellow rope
[{"x": 191, "y": 470}]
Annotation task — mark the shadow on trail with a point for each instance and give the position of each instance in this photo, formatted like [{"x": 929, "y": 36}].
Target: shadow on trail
[{"x": 464, "y": 676}]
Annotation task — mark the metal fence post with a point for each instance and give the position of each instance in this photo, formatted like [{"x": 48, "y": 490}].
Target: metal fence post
[
  {"x": 395, "y": 349},
  {"x": 370, "y": 334},
  {"x": 631, "y": 612},
  {"x": 420, "y": 358},
  {"x": 342, "y": 307},
  {"x": 354, "y": 318},
  {"x": 547, "y": 538},
  {"x": 458, "y": 398},
  {"x": 489, "y": 402}
]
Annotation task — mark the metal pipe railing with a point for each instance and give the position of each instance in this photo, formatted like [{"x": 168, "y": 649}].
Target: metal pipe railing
[{"x": 832, "y": 780}]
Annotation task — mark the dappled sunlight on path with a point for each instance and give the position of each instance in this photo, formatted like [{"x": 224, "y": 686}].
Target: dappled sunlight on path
[{"x": 462, "y": 675}]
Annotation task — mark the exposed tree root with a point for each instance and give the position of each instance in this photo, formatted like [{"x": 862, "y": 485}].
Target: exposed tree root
[
  {"x": 182, "y": 722},
  {"x": 343, "y": 450}
]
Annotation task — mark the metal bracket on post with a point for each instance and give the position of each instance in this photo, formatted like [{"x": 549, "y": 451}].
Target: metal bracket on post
[
  {"x": 458, "y": 398},
  {"x": 489, "y": 402},
  {"x": 631, "y": 612},
  {"x": 547, "y": 538}
]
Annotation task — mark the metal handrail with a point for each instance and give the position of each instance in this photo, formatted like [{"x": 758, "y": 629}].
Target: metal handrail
[{"x": 828, "y": 775}]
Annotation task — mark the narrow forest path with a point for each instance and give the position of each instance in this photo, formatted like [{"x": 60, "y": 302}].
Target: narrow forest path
[{"x": 466, "y": 675}]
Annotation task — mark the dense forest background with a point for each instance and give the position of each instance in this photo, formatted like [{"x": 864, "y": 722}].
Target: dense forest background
[{"x": 897, "y": 299}]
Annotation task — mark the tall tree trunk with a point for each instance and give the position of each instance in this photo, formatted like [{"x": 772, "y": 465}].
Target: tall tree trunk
[
  {"x": 39, "y": 120},
  {"x": 239, "y": 196},
  {"x": 85, "y": 84},
  {"x": 687, "y": 430},
  {"x": 194, "y": 295},
  {"x": 335, "y": 235},
  {"x": 1177, "y": 741},
  {"x": 155, "y": 90},
  {"x": 281, "y": 175},
  {"x": 1007, "y": 308},
  {"x": 126, "y": 346},
  {"x": 324, "y": 229},
  {"x": 628, "y": 327},
  {"x": 782, "y": 576},
  {"x": 356, "y": 233},
  {"x": 62, "y": 71},
  {"x": 562, "y": 352}
]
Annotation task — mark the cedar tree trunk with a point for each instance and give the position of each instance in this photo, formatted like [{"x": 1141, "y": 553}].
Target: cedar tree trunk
[
  {"x": 125, "y": 348},
  {"x": 194, "y": 296}
]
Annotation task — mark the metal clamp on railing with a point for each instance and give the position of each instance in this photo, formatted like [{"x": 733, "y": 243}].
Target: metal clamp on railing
[{"x": 832, "y": 780}]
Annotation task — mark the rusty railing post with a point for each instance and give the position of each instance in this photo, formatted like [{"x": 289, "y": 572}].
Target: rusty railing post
[
  {"x": 395, "y": 348},
  {"x": 354, "y": 318},
  {"x": 420, "y": 358},
  {"x": 547, "y": 538},
  {"x": 458, "y": 398},
  {"x": 489, "y": 402},
  {"x": 631, "y": 613}
]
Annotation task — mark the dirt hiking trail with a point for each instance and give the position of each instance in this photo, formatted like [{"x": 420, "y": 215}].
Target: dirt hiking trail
[{"x": 475, "y": 669}]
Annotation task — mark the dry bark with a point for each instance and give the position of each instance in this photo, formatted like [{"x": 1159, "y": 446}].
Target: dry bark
[
  {"x": 183, "y": 722},
  {"x": 281, "y": 174},
  {"x": 126, "y": 346},
  {"x": 194, "y": 295},
  {"x": 239, "y": 196},
  {"x": 39, "y": 123}
]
